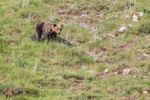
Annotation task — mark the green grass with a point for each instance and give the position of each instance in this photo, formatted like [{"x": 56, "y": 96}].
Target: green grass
[{"x": 56, "y": 71}]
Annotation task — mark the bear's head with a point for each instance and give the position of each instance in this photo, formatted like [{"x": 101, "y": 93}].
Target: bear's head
[{"x": 57, "y": 28}]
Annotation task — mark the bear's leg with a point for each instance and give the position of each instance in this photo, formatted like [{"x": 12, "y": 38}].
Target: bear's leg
[
  {"x": 49, "y": 37},
  {"x": 44, "y": 36},
  {"x": 53, "y": 35},
  {"x": 39, "y": 36}
]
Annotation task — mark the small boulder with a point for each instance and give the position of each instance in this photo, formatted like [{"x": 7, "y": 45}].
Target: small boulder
[
  {"x": 141, "y": 14},
  {"x": 106, "y": 71},
  {"x": 135, "y": 18},
  {"x": 123, "y": 28},
  {"x": 126, "y": 71}
]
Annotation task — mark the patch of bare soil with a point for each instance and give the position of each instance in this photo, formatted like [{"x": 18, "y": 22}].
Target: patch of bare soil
[
  {"x": 77, "y": 85},
  {"x": 97, "y": 53},
  {"x": 137, "y": 96},
  {"x": 47, "y": 54},
  {"x": 124, "y": 47},
  {"x": 18, "y": 32},
  {"x": 12, "y": 42},
  {"x": 84, "y": 17},
  {"x": 8, "y": 60},
  {"x": 113, "y": 91},
  {"x": 144, "y": 56},
  {"x": 9, "y": 92}
]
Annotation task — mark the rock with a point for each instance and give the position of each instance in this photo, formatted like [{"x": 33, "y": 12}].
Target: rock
[
  {"x": 75, "y": 17},
  {"x": 85, "y": 16},
  {"x": 94, "y": 30},
  {"x": 130, "y": 25},
  {"x": 111, "y": 35},
  {"x": 85, "y": 12},
  {"x": 100, "y": 15},
  {"x": 145, "y": 77},
  {"x": 141, "y": 14},
  {"x": 123, "y": 29},
  {"x": 135, "y": 18},
  {"x": 84, "y": 25},
  {"x": 106, "y": 71},
  {"x": 115, "y": 73},
  {"x": 61, "y": 12},
  {"x": 67, "y": 11},
  {"x": 126, "y": 71},
  {"x": 146, "y": 55},
  {"x": 146, "y": 91}
]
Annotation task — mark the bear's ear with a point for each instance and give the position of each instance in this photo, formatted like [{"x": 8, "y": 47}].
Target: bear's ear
[
  {"x": 52, "y": 28},
  {"x": 54, "y": 25}
]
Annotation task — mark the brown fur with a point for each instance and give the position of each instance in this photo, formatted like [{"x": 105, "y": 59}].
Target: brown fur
[{"x": 46, "y": 30}]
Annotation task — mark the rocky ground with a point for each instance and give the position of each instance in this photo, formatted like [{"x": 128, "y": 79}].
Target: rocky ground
[{"x": 109, "y": 57}]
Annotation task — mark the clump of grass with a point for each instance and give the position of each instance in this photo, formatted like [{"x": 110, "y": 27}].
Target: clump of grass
[
  {"x": 32, "y": 91},
  {"x": 101, "y": 67},
  {"x": 4, "y": 86},
  {"x": 55, "y": 71},
  {"x": 21, "y": 63},
  {"x": 145, "y": 28},
  {"x": 3, "y": 46}
]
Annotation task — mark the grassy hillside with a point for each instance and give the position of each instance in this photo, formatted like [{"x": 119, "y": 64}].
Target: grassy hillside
[{"x": 102, "y": 64}]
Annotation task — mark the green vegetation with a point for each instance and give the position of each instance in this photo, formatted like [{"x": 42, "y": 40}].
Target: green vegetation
[{"x": 93, "y": 69}]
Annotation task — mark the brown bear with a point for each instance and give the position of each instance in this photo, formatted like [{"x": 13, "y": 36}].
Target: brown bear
[{"x": 46, "y": 30}]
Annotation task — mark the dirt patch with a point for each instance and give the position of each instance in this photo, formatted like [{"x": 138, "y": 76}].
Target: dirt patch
[
  {"x": 124, "y": 47},
  {"x": 113, "y": 91},
  {"x": 47, "y": 54},
  {"x": 145, "y": 91},
  {"x": 14, "y": 91},
  {"x": 12, "y": 42},
  {"x": 51, "y": 83},
  {"x": 18, "y": 32},
  {"x": 98, "y": 53},
  {"x": 135, "y": 97},
  {"x": 8, "y": 60},
  {"x": 65, "y": 9},
  {"x": 126, "y": 71},
  {"x": 81, "y": 16},
  {"x": 9, "y": 92},
  {"x": 144, "y": 56},
  {"x": 77, "y": 85}
]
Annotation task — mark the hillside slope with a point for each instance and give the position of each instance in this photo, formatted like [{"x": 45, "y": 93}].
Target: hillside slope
[{"x": 102, "y": 64}]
